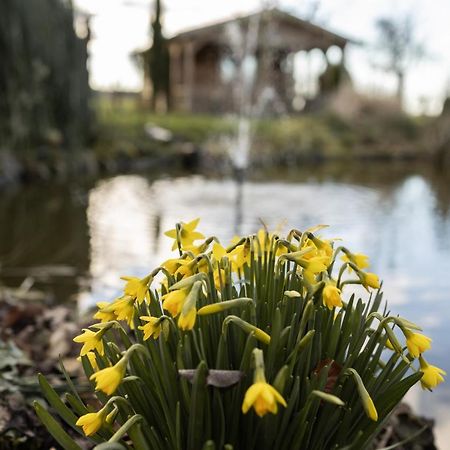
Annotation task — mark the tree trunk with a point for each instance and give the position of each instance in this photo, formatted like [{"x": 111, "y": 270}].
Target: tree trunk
[{"x": 400, "y": 87}]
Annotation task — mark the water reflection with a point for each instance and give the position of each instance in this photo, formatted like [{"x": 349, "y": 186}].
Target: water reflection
[
  {"x": 43, "y": 233},
  {"x": 123, "y": 227}
]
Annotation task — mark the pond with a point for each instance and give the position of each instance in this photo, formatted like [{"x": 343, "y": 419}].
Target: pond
[{"x": 75, "y": 240}]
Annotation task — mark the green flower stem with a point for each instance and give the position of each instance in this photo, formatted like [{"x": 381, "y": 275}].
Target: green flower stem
[
  {"x": 341, "y": 272},
  {"x": 232, "y": 247},
  {"x": 186, "y": 283},
  {"x": 333, "y": 260},
  {"x": 120, "y": 401},
  {"x": 126, "y": 428},
  {"x": 135, "y": 348},
  {"x": 258, "y": 361}
]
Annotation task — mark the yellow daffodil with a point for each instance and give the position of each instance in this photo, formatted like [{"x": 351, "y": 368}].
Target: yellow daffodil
[
  {"x": 218, "y": 252},
  {"x": 92, "y": 422},
  {"x": 108, "y": 379},
  {"x": 152, "y": 328},
  {"x": 316, "y": 264},
  {"x": 124, "y": 309},
  {"x": 240, "y": 256},
  {"x": 104, "y": 314},
  {"x": 358, "y": 259},
  {"x": 174, "y": 300},
  {"x": 417, "y": 343},
  {"x": 188, "y": 314},
  {"x": 186, "y": 268},
  {"x": 91, "y": 340},
  {"x": 331, "y": 295},
  {"x": 432, "y": 375},
  {"x": 92, "y": 360},
  {"x": 186, "y": 321},
  {"x": 187, "y": 234},
  {"x": 324, "y": 249},
  {"x": 263, "y": 397},
  {"x": 171, "y": 265},
  {"x": 137, "y": 288},
  {"x": 369, "y": 280}
]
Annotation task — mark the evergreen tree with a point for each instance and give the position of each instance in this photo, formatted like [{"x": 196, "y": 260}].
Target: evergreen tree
[
  {"x": 43, "y": 76},
  {"x": 159, "y": 60}
]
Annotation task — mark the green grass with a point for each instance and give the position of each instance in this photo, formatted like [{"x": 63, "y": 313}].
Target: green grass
[
  {"x": 277, "y": 140},
  {"x": 122, "y": 127}
]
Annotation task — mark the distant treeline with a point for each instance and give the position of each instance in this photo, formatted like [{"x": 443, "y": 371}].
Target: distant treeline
[{"x": 44, "y": 88}]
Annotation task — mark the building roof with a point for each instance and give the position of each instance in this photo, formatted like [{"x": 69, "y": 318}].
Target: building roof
[{"x": 296, "y": 33}]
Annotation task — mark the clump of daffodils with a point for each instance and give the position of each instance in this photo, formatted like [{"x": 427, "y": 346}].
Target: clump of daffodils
[{"x": 256, "y": 345}]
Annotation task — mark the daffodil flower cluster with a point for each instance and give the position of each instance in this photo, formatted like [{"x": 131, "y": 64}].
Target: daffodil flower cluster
[{"x": 194, "y": 354}]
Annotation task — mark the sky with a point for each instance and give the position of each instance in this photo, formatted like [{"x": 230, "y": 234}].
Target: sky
[{"x": 121, "y": 26}]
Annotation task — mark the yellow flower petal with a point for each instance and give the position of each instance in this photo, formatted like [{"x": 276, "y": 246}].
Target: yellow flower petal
[
  {"x": 108, "y": 379},
  {"x": 263, "y": 397},
  {"x": 417, "y": 343},
  {"x": 331, "y": 296},
  {"x": 174, "y": 301},
  {"x": 91, "y": 341},
  {"x": 187, "y": 321},
  {"x": 152, "y": 328},
  {"x": 90, "y": 423},
  {"x": 432, "y": 375}
]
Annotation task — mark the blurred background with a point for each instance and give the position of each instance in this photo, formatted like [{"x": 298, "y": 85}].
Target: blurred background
[{"x": 119, "y": 118}]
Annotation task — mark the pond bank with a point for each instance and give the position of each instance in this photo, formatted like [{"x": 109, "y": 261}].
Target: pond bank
[{"x": 129, "y": 139}]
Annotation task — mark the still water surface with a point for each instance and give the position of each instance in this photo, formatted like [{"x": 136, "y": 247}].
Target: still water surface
[{"x": 76, "y": 240}]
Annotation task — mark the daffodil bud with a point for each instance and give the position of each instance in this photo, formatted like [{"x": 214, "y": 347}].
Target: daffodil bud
[
  {"x": 186, "y": 283},
  {"x": 329, "y": 398},
  {"x": 188, "y": 314},
  {"x": 292, "y": 294},
  {"x": 368, "y": 405},
  {"x": 248, "y": 328},
  {"x": 223, "y": 306}
]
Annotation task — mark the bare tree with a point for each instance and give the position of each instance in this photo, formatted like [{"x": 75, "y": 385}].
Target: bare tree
[{"x": 399, "y": 47}]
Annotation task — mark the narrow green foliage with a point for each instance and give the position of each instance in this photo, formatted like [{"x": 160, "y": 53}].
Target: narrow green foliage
[{"x": 55, "y": 428}]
